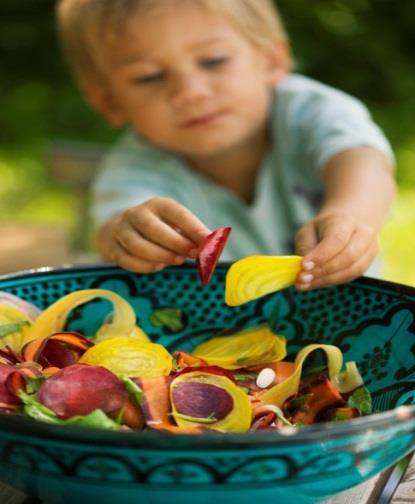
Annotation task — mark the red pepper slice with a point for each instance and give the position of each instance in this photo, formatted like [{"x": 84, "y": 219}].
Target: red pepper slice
[{"x": 210, "y": 251}]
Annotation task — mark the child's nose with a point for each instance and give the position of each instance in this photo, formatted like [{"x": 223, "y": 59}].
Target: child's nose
[{"x": 189, "y": 88}]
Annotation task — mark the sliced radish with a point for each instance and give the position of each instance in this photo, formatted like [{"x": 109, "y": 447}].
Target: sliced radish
[{"x": 210, "y": 251}]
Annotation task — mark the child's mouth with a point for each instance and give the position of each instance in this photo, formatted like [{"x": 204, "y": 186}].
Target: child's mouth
[{"x": 201, "y": 120}]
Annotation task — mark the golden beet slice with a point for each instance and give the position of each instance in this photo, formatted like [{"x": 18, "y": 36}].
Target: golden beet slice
[
  {"x": 126, "y": 356},
  {"x": 245, "y": 348},
  {"x": 256, "y": 276}
]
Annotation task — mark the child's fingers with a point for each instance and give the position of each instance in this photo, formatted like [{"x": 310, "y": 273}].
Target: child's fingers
[
  {"x": 139, "y": 247},
  {"x": 357, "y": 248},
  {"x": 346, "y": 274},
  {"x": 165, "y": 236},
  {"x": 334, "y": 235},
  {"x": 146, "y": 221},
  {"x": 129, "y": 262},
  {"x": 306, "y": 239},
  {"x": 180, "y": 217}
]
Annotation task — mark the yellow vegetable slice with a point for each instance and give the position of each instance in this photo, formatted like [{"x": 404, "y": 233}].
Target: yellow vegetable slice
[
  {"x": 255, "y": 276},
  {"x": 126, "y": 356},
  {"x": 349, "y": 379},
  {"x": 237, "y": 420},
  {"x": 14, "y": 328},
  {"x": 245, "y": 348},
  {"x": 279, "y": 393},
  {"x": 53, "y": 319}
]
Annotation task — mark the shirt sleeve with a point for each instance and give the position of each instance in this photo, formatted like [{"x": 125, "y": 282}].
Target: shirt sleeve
[
  {"x": 332, "y": 122},
  {"x": 130, "y": 174},
  {"x": 314, "y": 122}
]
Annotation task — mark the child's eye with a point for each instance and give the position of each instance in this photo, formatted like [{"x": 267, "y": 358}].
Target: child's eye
[
  {"x": 214, "y": 62},
  {"x": 149, "y": 78}
]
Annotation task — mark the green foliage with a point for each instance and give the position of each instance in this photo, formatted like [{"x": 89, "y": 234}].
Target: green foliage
[
  {"x": 364, "y": 47},
  {"x": 38, "y": 98}
]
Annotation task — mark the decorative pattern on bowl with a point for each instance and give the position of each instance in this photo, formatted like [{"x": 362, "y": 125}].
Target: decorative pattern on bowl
[{"x": 372, "y": 321}]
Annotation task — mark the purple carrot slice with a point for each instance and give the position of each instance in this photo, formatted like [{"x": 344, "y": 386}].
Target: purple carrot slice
[
  {"x": 209, "y": 253},
  {"x": 80, "y": 389}
]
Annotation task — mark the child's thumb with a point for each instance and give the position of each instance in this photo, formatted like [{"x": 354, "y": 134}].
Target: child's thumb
[{"x": 305, "y": 239}]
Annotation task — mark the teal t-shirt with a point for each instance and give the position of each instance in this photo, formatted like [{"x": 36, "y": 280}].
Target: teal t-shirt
[{"x": 310, "y": 123}]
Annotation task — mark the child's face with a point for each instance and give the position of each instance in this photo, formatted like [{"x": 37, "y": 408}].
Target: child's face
[{"x": 188, "y": 82}]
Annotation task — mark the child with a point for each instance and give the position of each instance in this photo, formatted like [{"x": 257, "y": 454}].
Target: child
[{"x": 221, "y": 134}]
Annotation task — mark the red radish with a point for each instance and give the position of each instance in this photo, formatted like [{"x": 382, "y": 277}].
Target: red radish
[
  {"x": 79, "y": 389},
  {"x": 210, "y": 251}
]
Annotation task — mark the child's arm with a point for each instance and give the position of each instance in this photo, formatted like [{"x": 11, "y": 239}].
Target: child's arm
[
  {"x": 152, "y": 235},
  {"x": 341, "y": 241}
]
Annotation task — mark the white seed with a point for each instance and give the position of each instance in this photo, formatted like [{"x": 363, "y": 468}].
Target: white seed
[{"x": 265, "y": 377}]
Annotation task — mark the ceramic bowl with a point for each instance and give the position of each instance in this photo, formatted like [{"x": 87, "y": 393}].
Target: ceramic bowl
[{"x": 371, "y": 321}]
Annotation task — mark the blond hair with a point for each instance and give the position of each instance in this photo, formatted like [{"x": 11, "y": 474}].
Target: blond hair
[{"x": 83, "y": 25}]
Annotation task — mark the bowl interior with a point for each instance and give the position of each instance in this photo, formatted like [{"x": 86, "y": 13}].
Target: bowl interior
[{"x": 370, "y": 320}]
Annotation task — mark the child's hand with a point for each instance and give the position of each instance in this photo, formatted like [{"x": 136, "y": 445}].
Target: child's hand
[
  {"x": 150, "y": 236},
  {"x": 336, "y": 249}
]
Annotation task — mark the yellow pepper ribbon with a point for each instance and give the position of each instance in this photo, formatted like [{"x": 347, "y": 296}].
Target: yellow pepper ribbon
[
  {"x": 53, "y": 319},
  {"x": 289, "y": 387}
]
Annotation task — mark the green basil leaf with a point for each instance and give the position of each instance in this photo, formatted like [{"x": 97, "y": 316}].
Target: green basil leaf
[
  {"x": 34, "y": 409},
  {"x": 6, "y": 329},
  {"x": 340, "y": 417},
  {"x": 299, "y": 402},
  {"x": 97, "y": 419},
  {"x": 245, "y": 376},
  {"x": 210, "y": 419},
  {"x": 134, "y": 390},
  {"x": 168, "y": 317},
  {"x": 33, "y": 383},
  {"x": 38, "y": 411},
  {"x": 362, "y": 400}
]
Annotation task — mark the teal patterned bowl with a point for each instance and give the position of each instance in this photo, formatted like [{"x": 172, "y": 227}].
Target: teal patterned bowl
[{"x": 372, "y": 321}]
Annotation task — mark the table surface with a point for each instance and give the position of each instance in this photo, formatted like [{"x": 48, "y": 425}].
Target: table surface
[{"x": 394, "y": 486}]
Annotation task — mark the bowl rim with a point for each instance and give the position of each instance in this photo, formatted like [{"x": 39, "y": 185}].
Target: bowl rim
[
  {"x": 19, "y": 424},
  {"x": 221, "y": 266}
]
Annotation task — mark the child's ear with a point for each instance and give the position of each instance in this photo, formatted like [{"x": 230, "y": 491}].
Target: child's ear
[
  {"x": 278, "y": 62},
  {"x": 101, "y": 100}
]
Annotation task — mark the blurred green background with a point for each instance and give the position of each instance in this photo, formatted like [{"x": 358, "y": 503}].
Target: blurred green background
[{"x": 364, "y": 47}]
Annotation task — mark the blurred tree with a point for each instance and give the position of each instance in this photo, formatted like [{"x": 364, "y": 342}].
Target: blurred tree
[
  {"x": 365, "y": 47},
  {"x": 38, "y": 98}
]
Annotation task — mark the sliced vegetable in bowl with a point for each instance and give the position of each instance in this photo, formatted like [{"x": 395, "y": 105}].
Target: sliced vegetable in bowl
[
  {"x": 65, "y": 392},
  {"x": 54, "y": 318},
  {"x": 282, "y": 391},
  {"x": 205, "y": 398},
  {"x": 126, "y": 356},
  {"x": 230, "y": 383},
  {"x": 247, "y": 347},
  {"x": 16, "y": 317}
]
